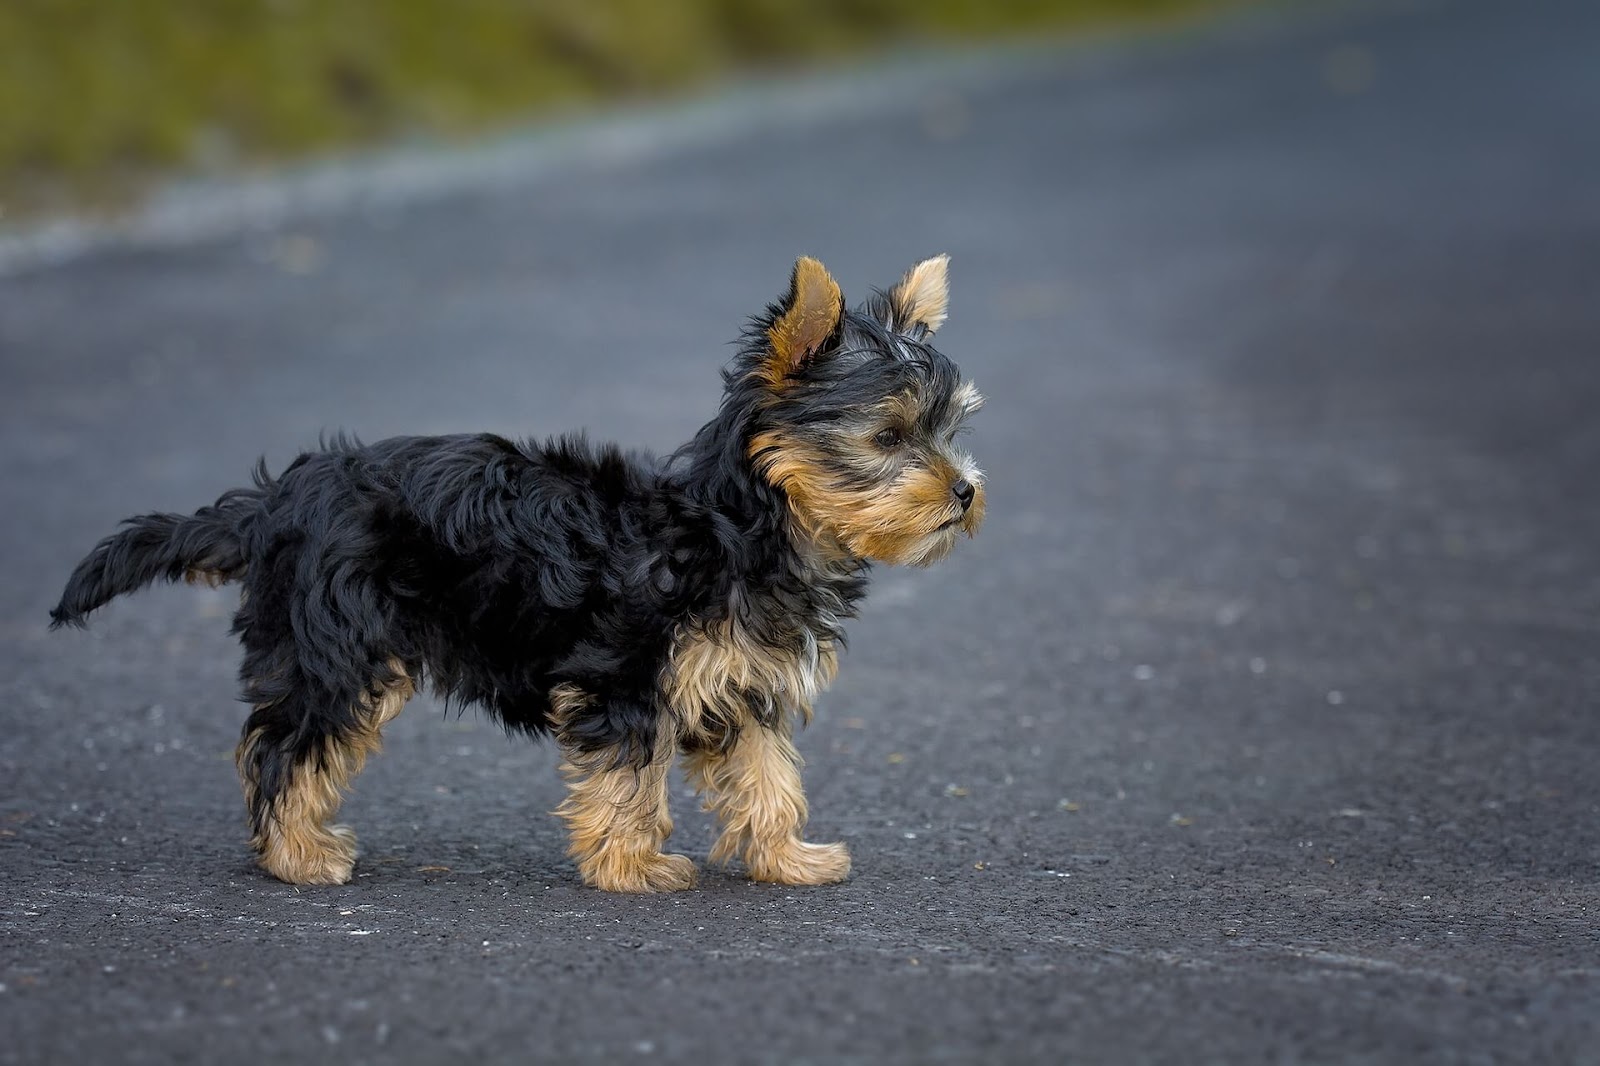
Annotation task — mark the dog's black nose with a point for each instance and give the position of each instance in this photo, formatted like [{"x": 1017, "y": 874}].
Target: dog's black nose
[{"x": 964, "y": 492}]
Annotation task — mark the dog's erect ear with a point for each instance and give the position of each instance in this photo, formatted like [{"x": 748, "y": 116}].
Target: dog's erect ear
[
  {"x": 808, "y": 316},
  {"x": 923, "y": 296}
]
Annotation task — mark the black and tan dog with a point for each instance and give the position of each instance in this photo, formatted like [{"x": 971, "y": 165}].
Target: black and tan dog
[{"x": 633, "y": 608}]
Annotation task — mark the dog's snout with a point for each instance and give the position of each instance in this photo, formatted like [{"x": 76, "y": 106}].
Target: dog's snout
[{"x": 964, "y": 492}]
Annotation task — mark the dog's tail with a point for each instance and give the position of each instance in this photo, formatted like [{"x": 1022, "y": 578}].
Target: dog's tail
[{"x": 206, "y": 546}]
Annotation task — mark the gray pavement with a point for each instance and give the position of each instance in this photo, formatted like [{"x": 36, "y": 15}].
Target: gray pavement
[{"x": 1259, "y": 725}]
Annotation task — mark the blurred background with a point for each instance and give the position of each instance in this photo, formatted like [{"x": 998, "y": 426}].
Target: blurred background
[{"x": 99, "y": 98}]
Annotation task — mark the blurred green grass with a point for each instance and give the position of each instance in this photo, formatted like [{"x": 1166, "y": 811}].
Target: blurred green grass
[{"x": 96, "y": 95}]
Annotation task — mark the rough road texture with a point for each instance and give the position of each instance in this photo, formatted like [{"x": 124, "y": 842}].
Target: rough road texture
[{"x": 1259, "y": 725}]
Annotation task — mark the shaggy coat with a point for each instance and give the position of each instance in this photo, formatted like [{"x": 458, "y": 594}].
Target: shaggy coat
[{"x": 633, "y": 606}]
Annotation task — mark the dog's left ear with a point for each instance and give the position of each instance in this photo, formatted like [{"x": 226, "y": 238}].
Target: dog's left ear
[
  {"x": 804, "y": 320},
  {"x": 923, "y": 296}
]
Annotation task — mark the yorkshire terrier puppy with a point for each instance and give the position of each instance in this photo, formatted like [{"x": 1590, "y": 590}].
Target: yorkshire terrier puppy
[{"x": 632, "y": 608}]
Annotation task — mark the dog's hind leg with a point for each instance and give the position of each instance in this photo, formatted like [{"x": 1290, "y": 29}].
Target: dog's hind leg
[
  {"x": 616, "y": 805},
  {"x": 295, "y": 765}
]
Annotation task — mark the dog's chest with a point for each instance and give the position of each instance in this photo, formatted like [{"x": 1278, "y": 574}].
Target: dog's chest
[{"x": 722, "y": 674}]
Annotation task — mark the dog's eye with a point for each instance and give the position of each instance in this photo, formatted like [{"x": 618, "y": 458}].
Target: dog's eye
[{"x": 888, "y": 438}]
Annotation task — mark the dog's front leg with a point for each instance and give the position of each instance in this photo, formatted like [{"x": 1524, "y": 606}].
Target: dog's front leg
[
  {"x": 616, "y": 808},
  {"x": 754, "y": 787}
]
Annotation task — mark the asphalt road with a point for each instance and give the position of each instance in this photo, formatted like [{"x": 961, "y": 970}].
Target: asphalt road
[{"x": 1259, "y": 725}]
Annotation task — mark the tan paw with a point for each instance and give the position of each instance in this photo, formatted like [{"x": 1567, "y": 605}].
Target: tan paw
[
  {"x": 647, "y": 873},
  {"x": 320, "y": 857},
  {"x": 799, "y": 863}
]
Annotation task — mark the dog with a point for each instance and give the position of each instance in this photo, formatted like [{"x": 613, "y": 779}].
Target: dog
[{"x": 632, "y": 608}]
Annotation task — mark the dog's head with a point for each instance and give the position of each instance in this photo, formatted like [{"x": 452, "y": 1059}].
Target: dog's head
[{"x": 855, "y": 416}]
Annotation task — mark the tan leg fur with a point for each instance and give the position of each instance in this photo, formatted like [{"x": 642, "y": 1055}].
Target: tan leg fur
[
  {"x": 754, "y": 787},
  {"x": 297, "y": 844},
  {"x": 617, "y": 813}
]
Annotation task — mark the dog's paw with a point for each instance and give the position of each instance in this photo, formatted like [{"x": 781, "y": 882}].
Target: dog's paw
[
  {"x": 647, "y": 873},
  {"x": 799, "y": 863},
  {"x": 321, "y": 857}
]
